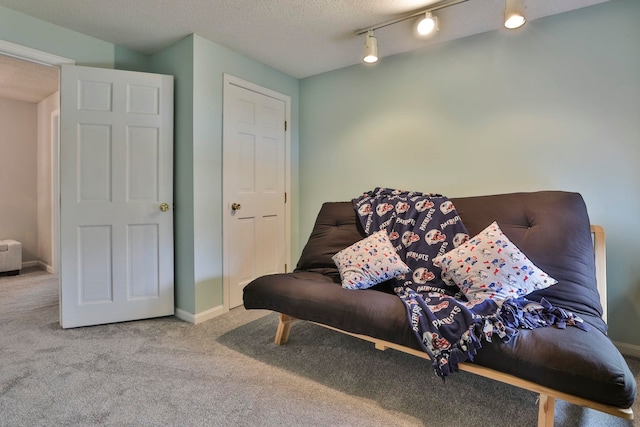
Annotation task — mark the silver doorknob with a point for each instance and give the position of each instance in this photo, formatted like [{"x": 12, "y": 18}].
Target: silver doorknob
[
  {"x": 236, "y": 206},
  {"x": 164, "y": 207}
]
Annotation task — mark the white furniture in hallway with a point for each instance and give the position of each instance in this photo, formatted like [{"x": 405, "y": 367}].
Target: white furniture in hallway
[{"x": 10, "y": 257}]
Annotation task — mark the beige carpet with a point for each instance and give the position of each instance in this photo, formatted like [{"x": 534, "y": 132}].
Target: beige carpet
[{"x": 228, "y": 372}]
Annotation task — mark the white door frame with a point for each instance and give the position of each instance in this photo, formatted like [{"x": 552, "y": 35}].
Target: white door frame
[
  {"x": 55, "y": 189},
  {"x": 231, "y": 80},
  {"x": 45, "y": 58},
  {"x": 33, "y": 55}
]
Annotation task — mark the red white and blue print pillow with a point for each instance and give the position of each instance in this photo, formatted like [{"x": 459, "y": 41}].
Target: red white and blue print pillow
[
  {"x": 489, "y": 266},
  {"x": 368, "y": 262}
]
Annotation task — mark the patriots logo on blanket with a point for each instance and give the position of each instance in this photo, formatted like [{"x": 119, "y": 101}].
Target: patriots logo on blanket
[{"x": 448, "y": 327}]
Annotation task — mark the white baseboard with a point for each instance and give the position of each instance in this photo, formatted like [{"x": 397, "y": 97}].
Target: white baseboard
[
  {"x": 200, "y": 317},
  {"x": 28, "y": 264},
  {"x": 45, "y": 266},
  {"x": 628, "y": 349},
  {"x": 38, "y": 263}
]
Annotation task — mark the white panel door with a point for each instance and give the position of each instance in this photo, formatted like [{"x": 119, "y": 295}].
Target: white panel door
[
  {"x": 254, "y": 187},
  {"x": 116, "y": 196}
]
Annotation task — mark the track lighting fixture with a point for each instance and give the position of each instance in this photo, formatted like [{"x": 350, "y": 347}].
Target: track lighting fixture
[
  {"x": 370, "y": 49},
  {"x": 514, "y": 14},
  {"x": 427, "y": 25}
]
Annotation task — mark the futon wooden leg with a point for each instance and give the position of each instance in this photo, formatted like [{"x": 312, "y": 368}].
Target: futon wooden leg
[
  {"x": 284, "y": 325},
  {"x": 546, "y": 410},
  {"x": 380, "y": 346}
]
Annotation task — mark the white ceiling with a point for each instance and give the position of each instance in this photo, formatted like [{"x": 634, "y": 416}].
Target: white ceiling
[
  {"x": 298, "y": 37},
  {"x": 26, "y": 81}
]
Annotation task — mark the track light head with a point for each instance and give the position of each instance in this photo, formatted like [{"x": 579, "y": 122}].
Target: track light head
[
  {"x": 426, "y": 25},
  {"x": 514, "y": 14},
  {"x": 370, "y": 49}
]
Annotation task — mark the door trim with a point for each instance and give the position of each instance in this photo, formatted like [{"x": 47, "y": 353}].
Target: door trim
[
  {"x": 235, "y": 81},
  {"x": 45, "y": 58},
  {"x": 55, "y": 188},
  {"x": 33, "y": 55}
]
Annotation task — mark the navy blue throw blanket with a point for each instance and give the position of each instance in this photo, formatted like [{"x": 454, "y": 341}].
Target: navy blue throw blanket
[{"x": 448, "y": 327}]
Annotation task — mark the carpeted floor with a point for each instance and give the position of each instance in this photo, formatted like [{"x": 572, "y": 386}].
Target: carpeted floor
[{"x": 228, "y": 372}]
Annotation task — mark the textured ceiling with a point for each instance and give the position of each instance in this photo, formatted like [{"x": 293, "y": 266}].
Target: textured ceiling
[
  {"x": 26, "y": 81},
  {"x": 298, "y": 37}
]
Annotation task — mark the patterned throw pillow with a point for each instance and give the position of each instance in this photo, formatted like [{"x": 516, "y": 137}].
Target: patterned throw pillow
[
  {"x": 368, "y": 262},
  {"x": 490, "y": 266}
]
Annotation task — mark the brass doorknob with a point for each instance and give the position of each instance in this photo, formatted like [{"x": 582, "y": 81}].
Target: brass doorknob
[
  {"x": 164, "y": 207},
  {"x": 236, "y": 206}
]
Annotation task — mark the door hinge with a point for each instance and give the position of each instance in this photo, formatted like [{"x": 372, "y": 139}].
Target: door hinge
[
  {"x": 285, "y": 125},
  {"x": 286, "y": 268},
  {"x": 285, "y": 197}
]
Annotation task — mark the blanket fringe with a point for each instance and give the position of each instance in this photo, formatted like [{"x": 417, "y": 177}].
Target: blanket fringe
[
  {"x": 521, "y": 313},
  {"x": 512, "y": 314}
]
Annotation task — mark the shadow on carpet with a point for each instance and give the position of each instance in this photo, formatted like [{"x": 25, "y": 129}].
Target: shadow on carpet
[{"x": 400, "y": 382}]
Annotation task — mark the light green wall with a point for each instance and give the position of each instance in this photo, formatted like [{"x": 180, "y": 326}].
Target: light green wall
[
  {"x": 31, "y": 32},
  {"x": 16, "y": 27},
  {"x": 177, "y": 60},
  {"x": 211, "y": 62},
  {"x": 126, "y": 59},
  {"x": 198, "y": 66},
  {"x": 554, "y": 105}
]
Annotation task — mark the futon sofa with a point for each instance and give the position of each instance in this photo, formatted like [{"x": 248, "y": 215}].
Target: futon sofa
[{"x": 551, "y": 227}]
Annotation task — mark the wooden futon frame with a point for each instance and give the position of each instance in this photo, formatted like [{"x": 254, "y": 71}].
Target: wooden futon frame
[{"x": 547, "y": 396}]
